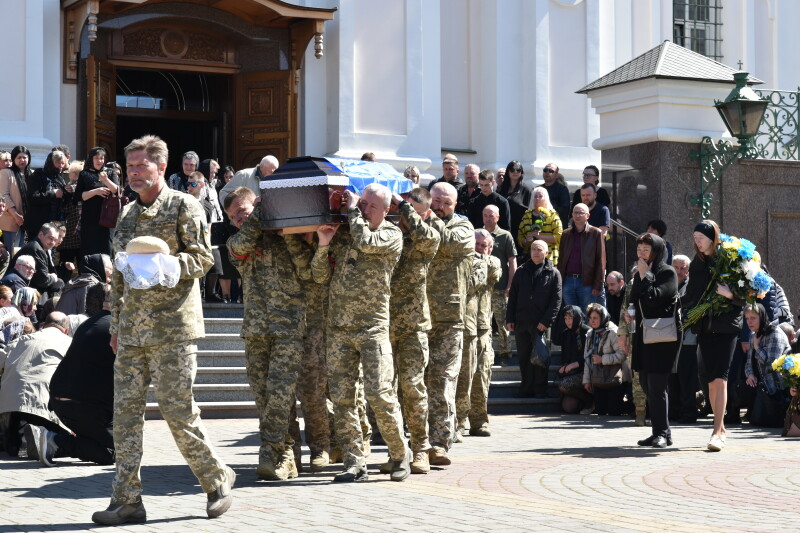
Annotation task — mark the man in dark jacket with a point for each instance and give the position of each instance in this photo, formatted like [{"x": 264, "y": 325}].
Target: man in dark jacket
[
  {"x": 44, "y": 277},
  {"x": 533, "y": 304},
  {"x": 581, "y": 261}
]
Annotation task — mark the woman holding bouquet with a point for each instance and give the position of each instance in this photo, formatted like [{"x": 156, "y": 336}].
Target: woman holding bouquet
[
  {"x": 540, "y": 222},
  {"x": 654, "y": 295},
  {"x": 718, "y": 330}
]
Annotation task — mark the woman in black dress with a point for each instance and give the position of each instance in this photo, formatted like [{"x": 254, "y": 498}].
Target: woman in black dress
[
  {"x": 569, "y": 377},
  {"x": 716, "y": 334},
  {"x": 94, "y": 184},
  {"x": 654, "y": 295},
  {"x": 46, "y": 193},
  {"x": 518, "y": 194}
]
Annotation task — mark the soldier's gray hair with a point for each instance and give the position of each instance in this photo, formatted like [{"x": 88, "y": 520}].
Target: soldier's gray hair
[
  {"x": 382, "y": 190},
  {"x": 484, "y": 234},
  {"x": 681, "y": 259},
  {"x": 191, "y": 156},
  {"x": 155, "y": 148}
]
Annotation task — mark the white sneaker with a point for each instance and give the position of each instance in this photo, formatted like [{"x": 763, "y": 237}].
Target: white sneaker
[
  {"x": 716, "y": 444},
  {"x": 47, "y": 447}
]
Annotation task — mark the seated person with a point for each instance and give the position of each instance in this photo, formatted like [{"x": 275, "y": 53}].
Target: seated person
[
  {"x": 602, "y": 349},
  {"x": 16, "y": 324},
  {"x": 20, "y": 275},
  {"x": 28, "y": 366},
  {"x": 92, "y": 269},
  {"x": 44, "y": 277},
  {"x": 767, "y": 343},
  {"x": 82, "y": 391},
  {"x": 569, "y": 379}
]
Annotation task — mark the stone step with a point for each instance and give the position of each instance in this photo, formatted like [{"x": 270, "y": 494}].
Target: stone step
[
  {"x": 220, "y": 358},
  {"x": 228, "y": 325},
  {"x": 221, "y": 341},
  {"x": 215, "y": 392},
  {"x": 221, "y": 375},
  {"x": 223, "y": 310}
]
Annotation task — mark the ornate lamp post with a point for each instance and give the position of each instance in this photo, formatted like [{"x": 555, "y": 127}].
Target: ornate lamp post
[{"x": 742, "y": 112}]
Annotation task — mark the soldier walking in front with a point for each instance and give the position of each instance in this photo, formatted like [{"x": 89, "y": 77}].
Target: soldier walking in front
[{"x": 154, "y": 330}]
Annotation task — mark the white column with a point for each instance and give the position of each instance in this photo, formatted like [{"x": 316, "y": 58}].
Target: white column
[{"x": 30, "y": 94}]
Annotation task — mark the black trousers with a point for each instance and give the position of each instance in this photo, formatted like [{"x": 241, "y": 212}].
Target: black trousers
[
  {"x": 684, "y": 385},
  {"x": 658, "y": 402},
  {"x": 534, "y": 378},
  {"x": 92, "y": 425}
]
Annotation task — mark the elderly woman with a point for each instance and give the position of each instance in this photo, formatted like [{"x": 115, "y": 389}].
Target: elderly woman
[
  {"x": 540, "y": 222},
  {"x": 767, "y": 343},
  {"x": 95, "y": 183},
  {"x": 46, "y": 193},
  {"x": 654, "y": 294},
  {"x": 14, "y": 324},
  {"x": 606, "y": 367},
  {"x": 14, "y": 190},
  {"x": 70, "y": 247},
  {"x": 412, "y": 173},
  {"x": 570, "y": 374}
]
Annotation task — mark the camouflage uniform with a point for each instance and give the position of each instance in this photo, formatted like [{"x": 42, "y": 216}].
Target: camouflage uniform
[
  {"x": 273, "y": 326},
  {"x": 312, "y": 382},
  {"x": 358, "y": 331},
  {"x": 503, "y": 249},
  {"x": 410, "y": 321},
  {"x": 156, "y": 330},
  {"x": 469, "y": 352},
  {"x": 447, "y": 288},
  {"x": 639, "y": 396},
  {"x": 478, "y": 414}
]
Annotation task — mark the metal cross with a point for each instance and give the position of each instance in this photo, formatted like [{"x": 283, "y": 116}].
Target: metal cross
[{"x": 740, "y": 64}]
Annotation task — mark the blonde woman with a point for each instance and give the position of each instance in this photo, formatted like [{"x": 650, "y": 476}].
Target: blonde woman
[{"x": 541, "y": 222}]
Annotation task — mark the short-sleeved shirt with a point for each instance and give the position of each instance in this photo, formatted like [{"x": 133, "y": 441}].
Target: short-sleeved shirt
[{"x": 504, "y": 250}]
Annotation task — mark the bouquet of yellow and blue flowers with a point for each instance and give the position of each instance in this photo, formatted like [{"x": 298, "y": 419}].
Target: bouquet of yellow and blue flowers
[
  {"x": 788, "y": 366},
  {"x": 737, "y": 264}
]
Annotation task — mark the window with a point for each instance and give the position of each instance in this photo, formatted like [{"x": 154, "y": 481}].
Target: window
[{"x": 697, "y": 25}]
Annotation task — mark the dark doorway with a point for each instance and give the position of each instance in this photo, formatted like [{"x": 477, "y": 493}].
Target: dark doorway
[{"x": 186, "y": 109}]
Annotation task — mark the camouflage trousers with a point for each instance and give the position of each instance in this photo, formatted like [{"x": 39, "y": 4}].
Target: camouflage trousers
[
  {"x": 171, "y": 368},
  {"x": 410, "y": 359},
  {"x": 272, "y": 366},
  {"x": 371, "y": 348},
  {"x": 312, "y": 382},
  {"x": 361, "y": 408},
  {"x": 440, "y": 378},
  {"x": 499, "y": 305},
  {"x": 639, "y": 396},
  {"x": 478, "y": 414},
  {"x": 469, "y": 359}
]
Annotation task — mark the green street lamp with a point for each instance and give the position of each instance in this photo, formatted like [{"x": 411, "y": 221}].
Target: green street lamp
[{"x": 742, "y": 112}]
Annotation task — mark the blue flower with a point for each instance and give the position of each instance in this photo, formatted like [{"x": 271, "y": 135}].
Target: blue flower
[
  {"x": 761, "y": 282},
  {"x": 788, "y": 363},
  {"x": 746, "y": 249},
  {"x": 723, "y": 237}
]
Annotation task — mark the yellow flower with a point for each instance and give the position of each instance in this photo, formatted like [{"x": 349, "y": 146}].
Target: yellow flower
[
  {"x": 777, "y": 363},
  {"x": 757, "y": 257}
]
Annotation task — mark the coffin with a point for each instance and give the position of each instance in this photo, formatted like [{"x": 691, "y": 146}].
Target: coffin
[{"x": 306, "y": 192}]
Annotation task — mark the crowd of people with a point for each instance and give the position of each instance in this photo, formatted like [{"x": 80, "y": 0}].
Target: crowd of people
[{"x": 381, "y": 328}]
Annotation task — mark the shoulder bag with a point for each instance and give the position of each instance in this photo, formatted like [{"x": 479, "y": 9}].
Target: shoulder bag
[
  {"x": 110, "y": 210},
  {"x": 656, "y": 330}
]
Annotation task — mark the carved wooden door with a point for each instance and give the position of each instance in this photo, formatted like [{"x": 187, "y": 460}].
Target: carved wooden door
[
  {"x": 101, "y": 105},
  {"x": 262, "y": 117}
]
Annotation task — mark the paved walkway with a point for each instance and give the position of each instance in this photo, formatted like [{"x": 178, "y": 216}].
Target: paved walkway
[{"x": 543, "y": 473}]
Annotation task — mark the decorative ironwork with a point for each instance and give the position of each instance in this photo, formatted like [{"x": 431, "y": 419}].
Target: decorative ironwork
[
  {"x": 779, "y": 134},
  {"x": 715, "y": 158}
]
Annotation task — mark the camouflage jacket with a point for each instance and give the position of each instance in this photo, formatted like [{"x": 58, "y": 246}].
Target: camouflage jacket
[
  {"x": 362, "y": 275},
  {"x": 475, "y": 284},
  {"x": 160, "y": 315},
  {"x": 494, "y": 273},
  {"x": 409, "y": 301},
  {"x": 449, "y": 271},
  {"x": 271, "y": 267}
]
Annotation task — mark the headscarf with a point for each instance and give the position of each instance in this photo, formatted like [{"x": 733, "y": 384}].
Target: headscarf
[
  {"x": 24, "y": 299},
  {"x": 577, "y": 316},
  {"x": 658, "y": 254},
  {"x": 597, "y": 333},
  {"x": 93, "y": 265}
]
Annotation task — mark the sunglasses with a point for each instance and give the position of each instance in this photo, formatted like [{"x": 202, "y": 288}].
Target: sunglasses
[
  {"x": 549, "y": 171},
  {"x": 193, "y": 184}
]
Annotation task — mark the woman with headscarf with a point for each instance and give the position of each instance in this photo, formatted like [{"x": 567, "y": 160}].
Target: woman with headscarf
[
  {"x": 92, "y": 269},
  {"x": 46, "y": 193},
  {"x": 570, "y": 374},
  {"x": 767, "y": 343},
  {"x": 24, "y": 300},
  {"x": 14, "y": 190},
  {"x": 716, "y": 333},
  {"x": 95, "y": 183},
  {"x": 654, "y": 294},
  {"x": 602, "y": 352}
]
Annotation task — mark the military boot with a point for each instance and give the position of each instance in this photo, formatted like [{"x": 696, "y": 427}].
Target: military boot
[
  {"x": 336, "y": 455},
  {"x": 121, "y": 513},
  {"x": 421, "y": 463},
  {"x": 319, "y": 460},
  {"x": 438, "y": 456},
  {"x": 220, "y": 499}
]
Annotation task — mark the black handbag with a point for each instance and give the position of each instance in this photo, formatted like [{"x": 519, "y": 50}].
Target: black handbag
[
  {"x": 769, "y": 411},
  {"x": 541, "y": 355}
]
